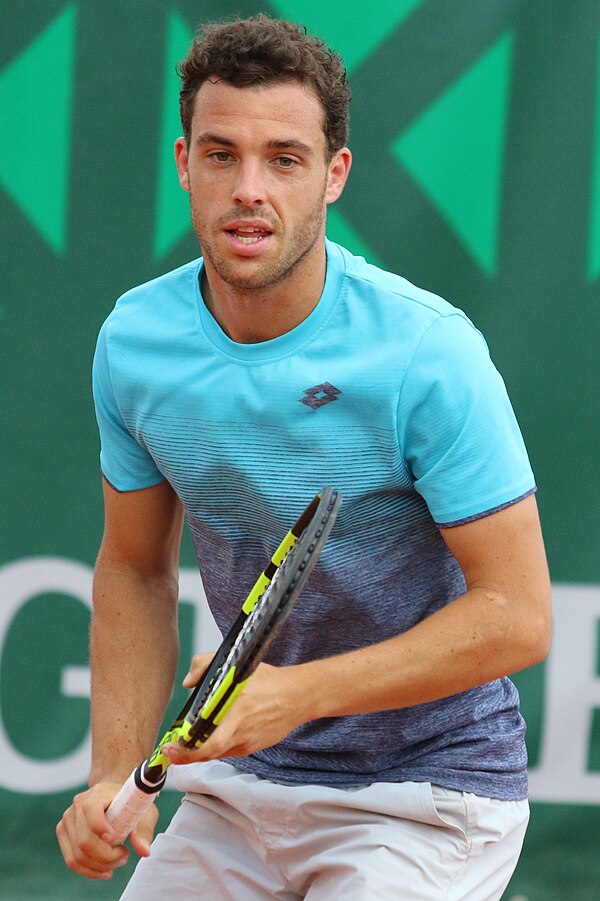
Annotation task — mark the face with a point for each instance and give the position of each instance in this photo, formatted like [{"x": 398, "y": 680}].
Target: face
[{"x": 259, "y": 181}]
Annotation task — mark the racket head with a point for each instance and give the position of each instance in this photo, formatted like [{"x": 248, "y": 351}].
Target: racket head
[{"x": 240, "y": 653}]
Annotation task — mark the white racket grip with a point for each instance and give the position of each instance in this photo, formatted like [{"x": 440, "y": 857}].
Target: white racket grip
[{"x": 127, "y": 808}]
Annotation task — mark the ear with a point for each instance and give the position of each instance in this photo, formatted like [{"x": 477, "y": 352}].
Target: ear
[
  {"x": 182, "y": 161},
  {"x": 337, "y": 174}
]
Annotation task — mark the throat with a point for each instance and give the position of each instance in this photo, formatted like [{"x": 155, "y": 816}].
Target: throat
[
  {"x": 252, "y": 317},
  {"x": 255, "y": 309}
]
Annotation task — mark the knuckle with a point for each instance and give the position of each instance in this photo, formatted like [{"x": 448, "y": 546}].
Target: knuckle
[
  {"x": 71, "y": 861},
  {"x": 217, "y": 748},
  {"x": 86, "y": 847}
]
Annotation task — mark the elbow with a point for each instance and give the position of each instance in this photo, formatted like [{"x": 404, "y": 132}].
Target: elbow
[
  {"x": 537, "y": 635},
  {"x": 539, "y": 648},
  {"x": 527, "y": 629}
]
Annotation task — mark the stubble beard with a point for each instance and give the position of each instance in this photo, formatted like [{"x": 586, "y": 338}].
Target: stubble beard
[{"x": 297, "y": 247}]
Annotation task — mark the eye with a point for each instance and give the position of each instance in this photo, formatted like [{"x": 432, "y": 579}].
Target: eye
[
  {"x": 286, "y": 162},
  {"x": 221, "y": 156}
]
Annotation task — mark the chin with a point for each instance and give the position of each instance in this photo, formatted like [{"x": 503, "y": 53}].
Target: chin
[{"x": 248, "y": 276}]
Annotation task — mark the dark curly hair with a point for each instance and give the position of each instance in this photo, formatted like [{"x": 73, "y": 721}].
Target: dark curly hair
[{"x": 260, "y": 50}]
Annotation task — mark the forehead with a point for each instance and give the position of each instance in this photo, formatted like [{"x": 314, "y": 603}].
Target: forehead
[{"x": 274, "y": 111}]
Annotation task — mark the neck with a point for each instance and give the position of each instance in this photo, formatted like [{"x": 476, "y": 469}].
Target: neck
[{"x": 253, "y": 315}]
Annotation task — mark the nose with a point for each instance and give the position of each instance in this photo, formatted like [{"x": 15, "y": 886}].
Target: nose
[{"x": 249, "y": 189}]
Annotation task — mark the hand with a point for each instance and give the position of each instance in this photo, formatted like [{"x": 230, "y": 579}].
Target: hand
[
  {"x": 86, "y": 837},
  {"x": 271, "y": 705}
]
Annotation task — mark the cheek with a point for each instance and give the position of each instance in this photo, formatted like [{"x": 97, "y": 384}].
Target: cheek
[
  {"x": 207, "y": 193},
  {"x": 206, "y": 178}
]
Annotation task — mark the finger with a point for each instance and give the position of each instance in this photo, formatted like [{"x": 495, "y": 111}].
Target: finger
[
  {"x": 77, "y": 866},
  {"x": 198, "y": 666},
  {"x": 94, "y": 852},
  {"x": 190, "y": 680},
  {"x": 99, "y": 823},
  {"x": 90, "y": 811},
  {"x": 93, "y": 874},
  {"x": 179, "y": 755},
  {"x": 92, "y": 869},
  {"x": 141, "y": 837},
  {"x": 216, "y": 746},
  {"x": 84, "y": 852},
  {"x": 83, "y": 849}
]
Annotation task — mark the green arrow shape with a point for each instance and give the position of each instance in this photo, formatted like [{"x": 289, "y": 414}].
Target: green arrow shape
[
  {"x": 36, "y": 116},
  {"x": 455, "y": 151},
  {"x": 172, "y": 219},
  {"x": 353, "y": 31},
  {"x": 355, "y": 35},
  {"x": 342, "y": 232}
]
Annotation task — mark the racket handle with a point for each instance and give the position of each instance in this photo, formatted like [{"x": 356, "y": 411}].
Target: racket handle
[{"x": 128, "y": 807}]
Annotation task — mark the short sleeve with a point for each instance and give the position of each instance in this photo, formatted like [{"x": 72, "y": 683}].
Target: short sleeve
[
  {"x": 457, "y": 429},
  {"x": 125, "y": 463}
]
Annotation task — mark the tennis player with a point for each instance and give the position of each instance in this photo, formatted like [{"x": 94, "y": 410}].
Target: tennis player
[{"x": 380, "y": 751}]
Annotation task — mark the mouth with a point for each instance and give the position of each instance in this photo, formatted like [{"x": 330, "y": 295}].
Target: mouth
[
  {"x": 248, "y": 235},
  {"x": 243, "y": 236}
]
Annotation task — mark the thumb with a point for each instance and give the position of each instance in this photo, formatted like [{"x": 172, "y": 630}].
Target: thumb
[
  {"x": 142, "y": 835},
  {"x": 198, "y": 666}
]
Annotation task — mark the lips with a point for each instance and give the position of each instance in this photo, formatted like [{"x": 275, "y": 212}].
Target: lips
[
  {"x": 249, "y": 228},
  {"x": 247, "y": 235}
]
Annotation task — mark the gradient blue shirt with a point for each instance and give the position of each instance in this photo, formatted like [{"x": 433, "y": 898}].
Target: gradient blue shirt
[{"x": 385, "y": 392}]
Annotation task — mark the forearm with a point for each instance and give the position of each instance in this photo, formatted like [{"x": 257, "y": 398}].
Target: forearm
[
  {"x": 134, "y": 651},
  {"x": 500, "y": 625},
  {"x": 477, "y": 638}
]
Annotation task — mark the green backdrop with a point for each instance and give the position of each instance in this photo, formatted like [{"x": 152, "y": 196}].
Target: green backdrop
[{"x": 476, "y": 138}]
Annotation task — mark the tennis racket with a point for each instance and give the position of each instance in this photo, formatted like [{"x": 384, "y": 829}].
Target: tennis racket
[{"x": 261, "y": 618}]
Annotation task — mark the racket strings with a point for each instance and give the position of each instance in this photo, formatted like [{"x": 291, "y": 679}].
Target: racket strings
[
  {"x": 260, "y": 612},
  {"x": 267, "y": 608}
]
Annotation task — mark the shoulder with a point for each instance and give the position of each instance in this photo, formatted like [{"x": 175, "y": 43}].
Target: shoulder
[
  {"x": 157, "y": 302},
  {"x": 403, "y": 306},
  {"x": 415, "y": 320}
]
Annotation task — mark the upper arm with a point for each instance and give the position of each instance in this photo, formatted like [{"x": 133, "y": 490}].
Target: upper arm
[
  {"x": 503, "y": 553},
  {"x": 124, "y": 460},
  {"x": 457, "y": 431},
  {"x": 142, "y": 529}
]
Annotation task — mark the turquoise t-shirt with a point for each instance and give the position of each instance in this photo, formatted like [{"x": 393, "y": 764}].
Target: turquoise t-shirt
[{"x": 385, "y": 392}]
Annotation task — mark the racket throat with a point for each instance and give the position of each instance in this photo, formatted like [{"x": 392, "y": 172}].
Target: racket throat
[{"x": 149, "y": 779}]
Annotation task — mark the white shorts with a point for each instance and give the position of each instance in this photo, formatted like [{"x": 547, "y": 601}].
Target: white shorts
[{"x": 238, "y": 837}]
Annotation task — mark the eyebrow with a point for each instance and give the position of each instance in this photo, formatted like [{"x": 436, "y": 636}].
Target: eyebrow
[
  {"x": 208, "y": 137},
  {"x": 290, "y": 145}
]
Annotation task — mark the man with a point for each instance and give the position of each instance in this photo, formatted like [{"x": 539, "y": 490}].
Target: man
[{"x": 379, "y": 753}]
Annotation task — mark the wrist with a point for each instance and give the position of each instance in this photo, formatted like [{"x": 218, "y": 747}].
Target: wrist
[
  {"x": 112, "y": 775},
  {"x": 314, "y": 690}
]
